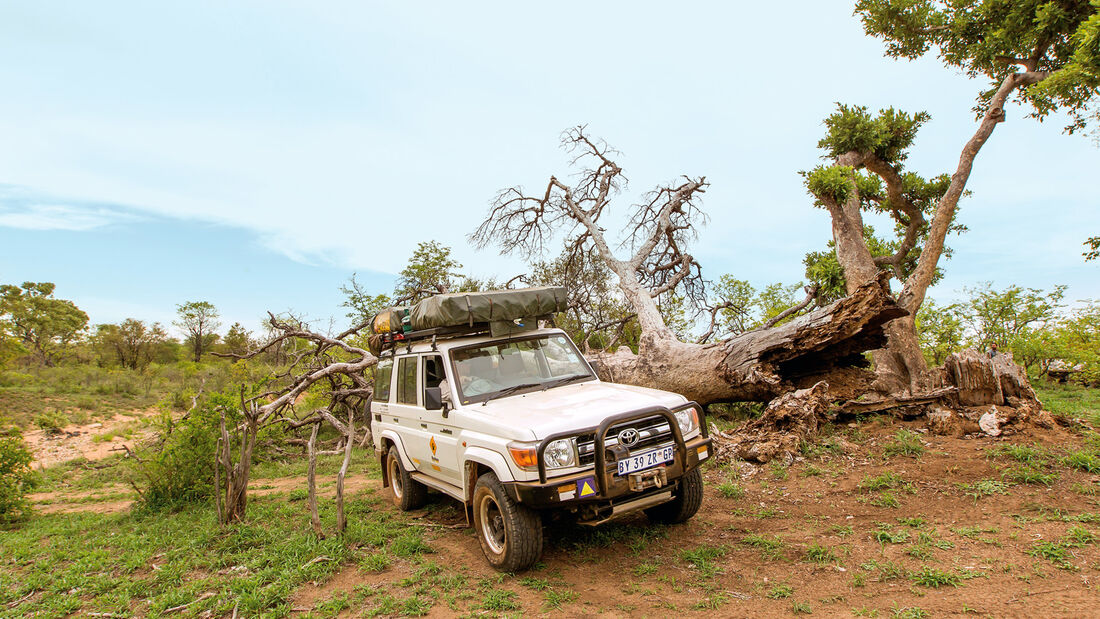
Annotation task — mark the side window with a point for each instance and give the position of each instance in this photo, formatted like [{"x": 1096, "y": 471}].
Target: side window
[
  {"x": 382, "y": 373},
  {"x": 406, "y": 381},
  {"x": 433, "y": 371}
]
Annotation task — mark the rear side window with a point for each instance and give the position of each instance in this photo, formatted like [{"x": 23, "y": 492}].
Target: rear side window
[
  {"x": 382, "y": 373},
  {"x": 406, "y": 381}
]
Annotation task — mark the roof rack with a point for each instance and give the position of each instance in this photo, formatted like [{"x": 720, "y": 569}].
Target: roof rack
[{"x": 393, "y": 339}]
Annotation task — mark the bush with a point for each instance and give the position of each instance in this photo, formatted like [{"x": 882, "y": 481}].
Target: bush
[
  {"x": 16, "y": 478},
  {"x": 51, "y": 421},
  {"x": 179, "y": 468}
]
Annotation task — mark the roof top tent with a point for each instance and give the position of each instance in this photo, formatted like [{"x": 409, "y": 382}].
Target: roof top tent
[{"x": 501, "y": 313}]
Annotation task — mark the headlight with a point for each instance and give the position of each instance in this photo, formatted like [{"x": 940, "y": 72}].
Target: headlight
[
  {"x": 688, "y": 420},
  {"x": 560, "y": 454}
]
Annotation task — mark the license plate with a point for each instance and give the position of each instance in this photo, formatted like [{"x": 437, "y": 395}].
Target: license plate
[{"x": 645, "y": 460}]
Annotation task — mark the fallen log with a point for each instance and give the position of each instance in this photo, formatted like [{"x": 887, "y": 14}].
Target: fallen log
[{"x": 763, "y": 364}]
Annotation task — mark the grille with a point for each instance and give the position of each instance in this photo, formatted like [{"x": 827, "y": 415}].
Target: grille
[{"x": 652, "y": 431}]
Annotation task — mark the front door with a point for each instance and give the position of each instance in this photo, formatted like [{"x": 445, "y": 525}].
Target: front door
[{"x": 443, "y": 434}]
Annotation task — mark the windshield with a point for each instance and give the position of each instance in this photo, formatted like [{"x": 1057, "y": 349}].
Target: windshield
[{"x": 482, "y": 371}]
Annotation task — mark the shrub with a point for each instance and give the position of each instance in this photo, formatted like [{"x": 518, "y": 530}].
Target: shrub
[
  {"x": 51, "y": 421},
  {"x": 179, "y": 468},
  {"x": 16, "y": 477}
]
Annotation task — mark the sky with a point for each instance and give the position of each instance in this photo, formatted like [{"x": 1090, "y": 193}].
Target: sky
[{"x": 257, "y": 154}]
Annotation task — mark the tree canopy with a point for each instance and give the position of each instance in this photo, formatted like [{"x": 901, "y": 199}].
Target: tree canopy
[
  {"x": 1056, "y": 40},
  {"x": 199, "y": 319},
  {"x": 41, "y": 323}
]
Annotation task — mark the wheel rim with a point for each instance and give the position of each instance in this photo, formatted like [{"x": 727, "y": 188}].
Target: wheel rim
[
  {"x": 492, "y": 524},
  {"x": 395, "y": 478}
]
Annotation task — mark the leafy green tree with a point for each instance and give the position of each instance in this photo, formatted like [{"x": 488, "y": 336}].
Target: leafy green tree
[
  {"x": 431, "y": 270},
  {"x": 1039, "y": 52},
  {"x": 39, "y": 322},
  {"x": 739, "y": 307},
  {"x": 1017, "y": 319},
  {"x": 132, "y": 343},
  {"x": 1092, "y": 248},
  {"x": 199, "y": 320},
  {"x": 237, "y": 340},
  {"x": 940, "y": 330},
  {"x": 361, "y": 304},
  {"x": 1077, "y": 341}
]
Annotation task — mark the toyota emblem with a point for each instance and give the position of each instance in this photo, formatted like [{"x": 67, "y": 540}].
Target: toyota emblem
[{"x": 628, "y": 437}]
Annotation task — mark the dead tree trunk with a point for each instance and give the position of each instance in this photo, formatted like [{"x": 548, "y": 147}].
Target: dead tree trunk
[
  {"x": 311, "y": 482},
  {"x": 233, "y": 501},
  {"x": 349, "y": 441},
  {"x": 760, "y": 365}
]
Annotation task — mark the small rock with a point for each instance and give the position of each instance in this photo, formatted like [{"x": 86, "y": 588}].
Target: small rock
[{"x": 990, "y": 423}]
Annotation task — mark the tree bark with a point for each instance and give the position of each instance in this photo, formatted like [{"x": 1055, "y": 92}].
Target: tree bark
[
  {"x": 759, "y": 365},
  {"x": 311, "y": 482}
]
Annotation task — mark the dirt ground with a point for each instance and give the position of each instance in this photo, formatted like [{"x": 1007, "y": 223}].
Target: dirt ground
[
  {"x": 939, "y": 552},
  {"x": 92, "y": 441},
  {"x": 847, "y": 530}
]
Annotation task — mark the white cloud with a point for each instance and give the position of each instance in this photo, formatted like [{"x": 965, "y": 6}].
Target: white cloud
[{"x": 59, "y": 217}]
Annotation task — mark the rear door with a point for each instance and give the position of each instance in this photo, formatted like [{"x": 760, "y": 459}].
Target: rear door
[{"x": 405, "y": 410}]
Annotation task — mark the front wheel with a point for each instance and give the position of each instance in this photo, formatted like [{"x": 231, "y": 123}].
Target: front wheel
[
  {"x": 686, "y": 500},
  {"x": 510, "y": 534}
]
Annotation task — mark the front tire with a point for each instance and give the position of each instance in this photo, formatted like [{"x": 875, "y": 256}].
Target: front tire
[
  {"x": 685, "y": 501},
  {"x": 510, "y": 534},
  {"x": 407, "y": 492}
]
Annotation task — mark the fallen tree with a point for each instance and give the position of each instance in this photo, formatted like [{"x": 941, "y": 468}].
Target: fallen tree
[{"x": 757, "y": 365}]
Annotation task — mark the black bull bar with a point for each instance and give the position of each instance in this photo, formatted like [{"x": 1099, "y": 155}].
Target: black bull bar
[{"x": 602, "y": 478}]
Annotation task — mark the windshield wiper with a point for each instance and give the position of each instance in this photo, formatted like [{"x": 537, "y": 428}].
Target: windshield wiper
[
  {"x": 564, "y": 380},
  {"x": 508, "y": 390}
]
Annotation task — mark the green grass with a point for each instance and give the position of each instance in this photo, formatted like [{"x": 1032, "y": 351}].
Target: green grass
[
  {"x": 780, "y": 592},
  {"x": 820, "y": 554},
  {"x": 731, "y": 490},
  {"x": 1069, "y": 400},
  {"x": 109, "y": 571},
  {"x": 886, "y": 481},
  {"x": 886, "y": 535},
  {"x": 984, "y": 488},
  {"x": 801, "y": 608},
  {"x": 1084, "y": 460},
  {"x": 1030, "y": 455},
  {"x": 1026, "y": 474},
  {"x": 770, "y": 547},
  {"x": 904, "y": 443},
  {"x": 704, "y": 559},
  {"x": 934, "y": 578}
]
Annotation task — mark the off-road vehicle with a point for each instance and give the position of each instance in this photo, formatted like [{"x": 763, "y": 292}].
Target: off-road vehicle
[{"x": 511, "y": 420}]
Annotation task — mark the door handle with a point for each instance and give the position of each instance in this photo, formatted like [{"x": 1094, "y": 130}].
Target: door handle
[
  {"x": 424, "y": 425},
  {"x": 445, "y": 431}
]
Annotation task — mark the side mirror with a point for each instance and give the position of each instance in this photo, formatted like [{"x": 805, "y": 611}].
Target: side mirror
[{"x": 433, "y": 398}]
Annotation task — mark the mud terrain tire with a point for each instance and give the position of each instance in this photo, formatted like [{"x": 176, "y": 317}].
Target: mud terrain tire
[
  {"x": 407, "y": 492},
  {"x": 686, "y": 500},
  {"x": 510, "y": 534}
]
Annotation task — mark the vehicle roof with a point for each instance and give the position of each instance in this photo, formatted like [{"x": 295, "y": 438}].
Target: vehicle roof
[{"x": 401, "y": 349}]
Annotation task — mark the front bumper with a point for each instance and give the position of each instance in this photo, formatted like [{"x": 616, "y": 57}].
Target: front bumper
[{"x": 587, "y": 487}]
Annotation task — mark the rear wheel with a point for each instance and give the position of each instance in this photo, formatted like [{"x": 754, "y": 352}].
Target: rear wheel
[
  {"x": 407, "y": 492},
  {"x": 686, "y": 500},
  {"x": 510, "y": 534}
]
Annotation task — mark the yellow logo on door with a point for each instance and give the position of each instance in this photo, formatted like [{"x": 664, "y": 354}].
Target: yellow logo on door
[{"x": 431, "y": 444}]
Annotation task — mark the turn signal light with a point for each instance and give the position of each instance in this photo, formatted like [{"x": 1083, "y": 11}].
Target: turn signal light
[{"x": 526, "y": 457}]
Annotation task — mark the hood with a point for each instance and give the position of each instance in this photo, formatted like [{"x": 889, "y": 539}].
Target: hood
[{"x": 576, "y": 406}]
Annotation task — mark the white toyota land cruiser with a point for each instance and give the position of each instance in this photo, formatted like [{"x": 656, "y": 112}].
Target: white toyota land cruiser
[{"x": 516, "y": 424}]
